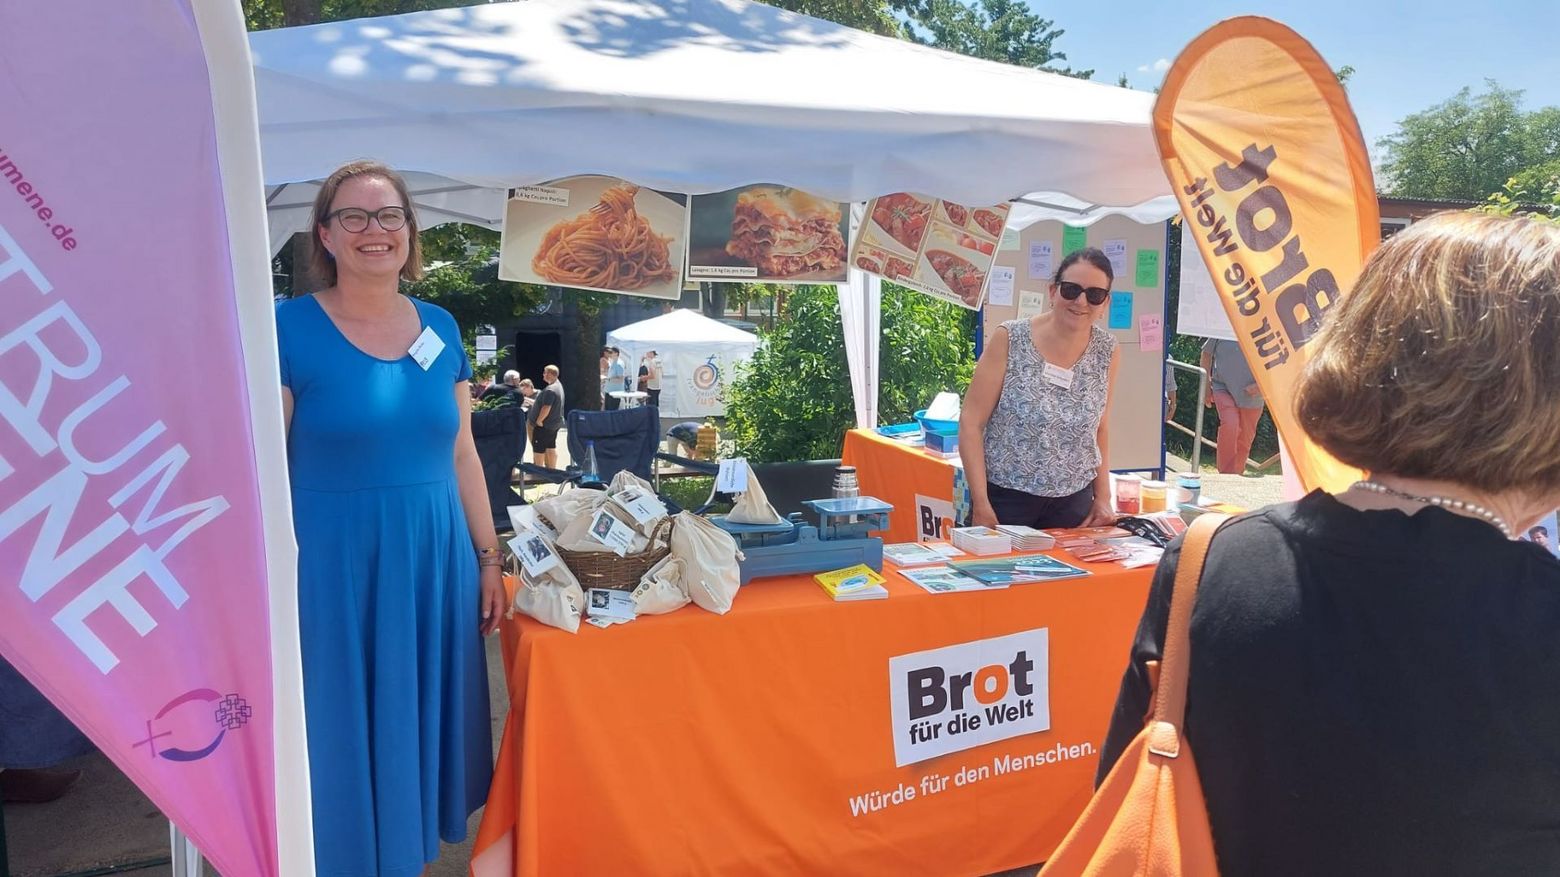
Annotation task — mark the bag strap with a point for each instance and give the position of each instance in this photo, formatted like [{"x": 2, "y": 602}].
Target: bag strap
[{"x": 1170, "y": 695}]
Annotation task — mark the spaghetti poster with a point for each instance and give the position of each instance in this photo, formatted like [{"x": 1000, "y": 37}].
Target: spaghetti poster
[{"x": 596, "y": 233}]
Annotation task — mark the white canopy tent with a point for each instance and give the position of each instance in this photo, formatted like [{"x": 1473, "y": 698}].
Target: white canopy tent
[
  {"x": 694, "y": 351},
  {"x": 690, "y": 96}
]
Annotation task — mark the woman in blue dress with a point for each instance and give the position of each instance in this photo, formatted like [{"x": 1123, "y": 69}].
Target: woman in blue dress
[{"x": 398, "y": 576}]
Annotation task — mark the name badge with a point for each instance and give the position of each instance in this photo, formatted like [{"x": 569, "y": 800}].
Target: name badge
[
  {"x": 1057, "y": 376},
  {"x": 426, "y": 348}
]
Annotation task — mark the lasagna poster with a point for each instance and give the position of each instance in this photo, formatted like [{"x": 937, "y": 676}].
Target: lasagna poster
[
  {"x": 943, "y": 249},
  {"x": 768, "y": 234}
]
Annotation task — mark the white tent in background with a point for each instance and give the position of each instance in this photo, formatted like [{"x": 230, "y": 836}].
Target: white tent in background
[
  {"x": 689, "y": 96},
  {"x": 697, "y": 354}
]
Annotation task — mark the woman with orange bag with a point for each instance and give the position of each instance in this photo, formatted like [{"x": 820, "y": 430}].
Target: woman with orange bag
[{"x": 1373, "y": 675}]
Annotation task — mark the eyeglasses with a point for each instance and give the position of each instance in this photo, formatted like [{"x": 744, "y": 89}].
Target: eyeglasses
[
  {"x": 1071, "y": 291},
  {"x": 355, "y": 219}
]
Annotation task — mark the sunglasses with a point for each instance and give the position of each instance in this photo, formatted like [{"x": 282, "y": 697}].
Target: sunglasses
[{"x": 1071, "y": 291}]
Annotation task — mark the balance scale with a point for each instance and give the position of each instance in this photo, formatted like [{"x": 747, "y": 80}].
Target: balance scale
[{"x": 794, "y": 546}]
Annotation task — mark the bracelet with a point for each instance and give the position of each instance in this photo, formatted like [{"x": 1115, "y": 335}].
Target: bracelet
[{"x": 489, "y": 561}]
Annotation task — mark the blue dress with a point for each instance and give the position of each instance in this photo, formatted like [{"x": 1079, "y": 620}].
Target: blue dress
[{"x": 394, "y": 677}]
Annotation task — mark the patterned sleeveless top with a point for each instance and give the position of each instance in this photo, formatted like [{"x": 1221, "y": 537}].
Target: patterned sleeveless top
[{"x": 1042, "y": 439}]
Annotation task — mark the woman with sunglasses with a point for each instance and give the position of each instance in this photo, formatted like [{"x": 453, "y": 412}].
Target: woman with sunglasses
[
  {"x": 398, "y": 565},
  {"x": 1032, "y": 433}
]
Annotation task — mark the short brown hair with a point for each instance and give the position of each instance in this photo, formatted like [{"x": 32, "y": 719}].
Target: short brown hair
[
  {"x": 320, "y": 267},
  {"x": 1443, "y": 362}
]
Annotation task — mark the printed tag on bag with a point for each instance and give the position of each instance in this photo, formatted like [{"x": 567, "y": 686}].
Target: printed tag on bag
[
  {"x": 641, "y": 504},
  {"x": 426, "y": 348},
  {"x": 535, "y": 553},
  {"x": 611, "y": 532},
  {"x": 733, "y": 476},
  {"x": 1057, "y": 376}
]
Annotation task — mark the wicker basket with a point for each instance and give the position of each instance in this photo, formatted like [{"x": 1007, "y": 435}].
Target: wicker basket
[{"x": 604, "y": 569}]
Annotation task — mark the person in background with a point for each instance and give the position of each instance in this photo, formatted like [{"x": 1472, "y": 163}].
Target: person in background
[
  {"x": 34, "y": 738},
  {"x": 656, "y": 374},
  {"x": 650, "y": 378},
  {"x": 504, "y": 389},
  {"x": 1539, "y": 536},
  {"x": 545, "y": 419},
  {"x": 606, "y": 360},
  {"x": 1170, "y": 391},
  {"x": 617, "y": 378},
  {"x": 1340, "y": 641},
  {"x": 685, "y": 434},
  {"x": 398, "y": 563},
  {"x": 1234, "y": 392},
  {"x": 481, "y": 386},
  {"x": 1032, "y": 431},
  {"x": 527, "y": 391}
]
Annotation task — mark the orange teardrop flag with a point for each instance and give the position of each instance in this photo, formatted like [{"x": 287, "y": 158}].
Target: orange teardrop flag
[{"x": 1267, "y": 161}]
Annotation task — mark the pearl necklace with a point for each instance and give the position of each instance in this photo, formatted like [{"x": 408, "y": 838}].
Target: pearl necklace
[{"x": 1445, "y": 502}]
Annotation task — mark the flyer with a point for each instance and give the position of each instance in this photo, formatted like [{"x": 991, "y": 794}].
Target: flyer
[
  {"x": 597, "y": 233},
  {"x": 938, "y": 247},
  {"x": 767, "y": 234}
]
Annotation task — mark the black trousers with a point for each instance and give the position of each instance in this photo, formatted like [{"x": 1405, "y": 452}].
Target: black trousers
[{"x": 1040, "y": 512}]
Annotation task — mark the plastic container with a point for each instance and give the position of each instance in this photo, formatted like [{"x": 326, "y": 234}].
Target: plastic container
[
  {"x": 1191, "y": 483},
  {"x": 1128, "y": 498},
  {"x": 589, "y": 472},
  {"x": 1153, "y": 493},
  {"x": 931, "y": 425}
]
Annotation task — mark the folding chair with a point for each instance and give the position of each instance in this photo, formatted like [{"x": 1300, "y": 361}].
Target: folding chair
[{"x": 625, "y": 440}]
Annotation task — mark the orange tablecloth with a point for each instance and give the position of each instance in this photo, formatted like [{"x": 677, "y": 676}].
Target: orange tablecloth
[
  {"x": 693, "y": 743},
  {"x": 920, "y": 487}
]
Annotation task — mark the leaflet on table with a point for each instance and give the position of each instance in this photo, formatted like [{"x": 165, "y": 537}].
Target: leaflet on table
[
  {"x": 919, "y": 553},
  {"x": 597, "y": 233},
  {"x": 767, "y": 234},
  {"x": 947, "y": 580},
  {"x": 1017, "y": 570},
  {"x": 608, "y": 603},
  {"x": 943, "y": 249}
]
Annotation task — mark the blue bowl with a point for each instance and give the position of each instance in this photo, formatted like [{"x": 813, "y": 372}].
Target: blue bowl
[{"x": 931, "y": 425}]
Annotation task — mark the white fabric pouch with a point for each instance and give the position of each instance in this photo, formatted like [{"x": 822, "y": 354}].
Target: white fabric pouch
[
  {"x": 553, "y": 600},
  {"x": 752, "y": 505},
  {"x": 709, "y": 556},
  {"x": 661, "y": 590}
]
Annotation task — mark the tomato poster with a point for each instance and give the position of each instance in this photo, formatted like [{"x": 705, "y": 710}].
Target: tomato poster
[{"x": 933, "y": 246}]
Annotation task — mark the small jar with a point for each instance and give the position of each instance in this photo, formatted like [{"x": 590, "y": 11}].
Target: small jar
[
  {"x": 1127, "y": 496},
  {"x": 1191, "y": 483},
  {"x": 1153, "y": 496},
  {"x": 845, "y": 484}
]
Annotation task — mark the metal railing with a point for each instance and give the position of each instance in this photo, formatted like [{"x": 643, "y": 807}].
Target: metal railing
[{"x": 1202, "y": 399}]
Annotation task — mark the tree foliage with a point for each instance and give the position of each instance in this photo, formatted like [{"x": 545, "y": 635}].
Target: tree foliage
[
  {"x": 1468, "y": 146},
  {"x": 996, "y": 30},
  {"x": 792, "y": 401}
]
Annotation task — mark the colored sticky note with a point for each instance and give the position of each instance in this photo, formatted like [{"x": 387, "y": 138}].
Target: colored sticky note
[
  {"x": 1120, "y": 310},
  {"x": 1074, "y": 237},
  {"x": 1151, "y": 332},
  {"x": 1148, "y": 268}
]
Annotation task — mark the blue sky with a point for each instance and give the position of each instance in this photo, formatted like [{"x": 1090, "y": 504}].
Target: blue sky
[{"x": 1407, "y": 55}]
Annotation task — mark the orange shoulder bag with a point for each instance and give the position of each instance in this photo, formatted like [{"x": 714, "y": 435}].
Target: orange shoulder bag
[{"x": 1148, "y": 819}]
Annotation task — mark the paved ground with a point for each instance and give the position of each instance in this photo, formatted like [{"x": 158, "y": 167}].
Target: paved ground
[{"x": 106, "y": 821}]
